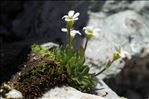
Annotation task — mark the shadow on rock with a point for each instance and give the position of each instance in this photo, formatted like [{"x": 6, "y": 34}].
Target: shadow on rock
[{"x": 133, "y": 81}]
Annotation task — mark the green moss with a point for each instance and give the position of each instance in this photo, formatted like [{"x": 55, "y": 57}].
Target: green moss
[
  {"x": 41, "y": 51},
  {"x": 33, "y": 82}
]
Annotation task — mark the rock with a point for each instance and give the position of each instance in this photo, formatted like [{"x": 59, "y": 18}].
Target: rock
[
  {"x": 127, "y": 29},
  {"x": 14, "y": 94},
  {"x": 49, "y": 45},
  {"x": 68, "y": 93},
  {"x": 124, "y": 24},
  {"x": 139, "y": 6},
  {"x": 114, "y": 6},
  {"x": 103, "y": 92}
]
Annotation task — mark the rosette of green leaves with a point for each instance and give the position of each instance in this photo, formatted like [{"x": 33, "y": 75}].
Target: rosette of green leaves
[{"x": 78, "y": 72}]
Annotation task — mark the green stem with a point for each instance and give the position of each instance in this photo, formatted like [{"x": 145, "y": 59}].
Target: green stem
[
  {"x": 69, "y": 37},
  {"x": 85, "y": 45},
  {"x": 82, "y": 54},
  {"x": 107, "y": 66},
  {"x": 100, "y": 71},
  {"x": 69, "y": 26}
]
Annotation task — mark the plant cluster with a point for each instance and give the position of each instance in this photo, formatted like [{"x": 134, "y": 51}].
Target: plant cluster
[
  {"x": 73, "y": 61},
  {"x": 63, "y": 64}
]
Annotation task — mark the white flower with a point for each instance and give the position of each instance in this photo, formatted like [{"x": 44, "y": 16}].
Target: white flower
[
  {"x": 90, "y": 31},
  {"x": 125, "y": 54},
  {"x": 122, "y": 53},
  {"x": 72, "y": 16},
  {"x": 72, "y": 32}
]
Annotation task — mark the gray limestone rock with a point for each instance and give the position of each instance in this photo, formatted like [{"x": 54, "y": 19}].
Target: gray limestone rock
[
  {"x": 124, "y": 24},
  {"x": 66, "y": 92},
  {"x": 127, "y": 29}
]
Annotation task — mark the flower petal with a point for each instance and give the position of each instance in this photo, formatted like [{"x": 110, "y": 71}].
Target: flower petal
[
  {"x": 76, "y": 15},
  {"x": 64, "y": 29},
  {"x": 90, "y": 28},
  {"x": 96, "y": 34},
  {"x": 75, "y": 19},
  {"x": 125, "y": 54},
  {"x": 65, "y": 16},
  {"x": 74, "y": 32},
  {"x": 84, "y": 28},
  {"x": 70, "y": 13}
]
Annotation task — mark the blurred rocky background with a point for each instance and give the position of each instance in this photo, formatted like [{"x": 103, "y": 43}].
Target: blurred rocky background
[{"x": 122, "y": 23}]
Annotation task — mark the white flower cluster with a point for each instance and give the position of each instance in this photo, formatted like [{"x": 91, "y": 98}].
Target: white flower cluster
[
  {"x": 72, "y": 17},
  {"x": 72, "y": 32}
]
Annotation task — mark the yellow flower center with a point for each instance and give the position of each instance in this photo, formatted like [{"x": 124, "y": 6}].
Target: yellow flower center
[{"x": 70, "y": 18}]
